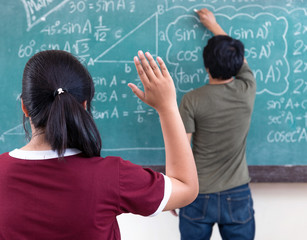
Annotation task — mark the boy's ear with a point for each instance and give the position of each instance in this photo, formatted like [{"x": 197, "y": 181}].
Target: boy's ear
[
  {"x": 207, "y": 70},
  {"x": 25, "y": 111}
]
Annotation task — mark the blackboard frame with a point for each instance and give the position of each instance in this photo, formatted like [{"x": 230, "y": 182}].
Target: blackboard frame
[{"x": 268, "y": 173}]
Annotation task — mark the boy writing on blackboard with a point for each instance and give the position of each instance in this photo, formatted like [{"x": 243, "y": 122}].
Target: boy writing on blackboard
[{"x": 217, "y": 118}]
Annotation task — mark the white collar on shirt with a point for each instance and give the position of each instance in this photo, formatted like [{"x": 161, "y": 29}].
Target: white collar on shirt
[{"x": 41, "y": 155}]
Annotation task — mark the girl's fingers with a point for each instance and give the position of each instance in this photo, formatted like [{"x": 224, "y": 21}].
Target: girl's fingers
[
  {"x": 139, "y": 93},
  {"x": 140, "y": 70},
  {"x": 146, "y": 67},
  {"x": 153, "y": 65},
  {"x": 163, "y": 68}
]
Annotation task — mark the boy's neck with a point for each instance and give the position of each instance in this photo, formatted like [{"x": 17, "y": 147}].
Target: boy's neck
[{"x": 216, "y": 81}]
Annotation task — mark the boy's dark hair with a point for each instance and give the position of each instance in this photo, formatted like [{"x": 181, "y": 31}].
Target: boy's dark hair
[
  {"x": 61, "y": 117},
  {"x": 223, "y": 56}
]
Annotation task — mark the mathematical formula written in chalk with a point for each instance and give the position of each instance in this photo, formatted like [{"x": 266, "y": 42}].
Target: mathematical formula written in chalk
[{"x": 106, "y": 34}]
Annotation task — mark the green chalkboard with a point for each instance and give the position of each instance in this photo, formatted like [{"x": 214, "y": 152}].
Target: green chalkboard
[{"x": 106, "y": 34}]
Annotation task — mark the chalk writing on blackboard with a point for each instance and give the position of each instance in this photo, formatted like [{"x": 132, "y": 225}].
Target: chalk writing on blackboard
[{"x": 106, "y": 34}]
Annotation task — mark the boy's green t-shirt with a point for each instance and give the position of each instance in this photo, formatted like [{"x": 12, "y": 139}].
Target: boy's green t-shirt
[{"x": 219, "y": 117}]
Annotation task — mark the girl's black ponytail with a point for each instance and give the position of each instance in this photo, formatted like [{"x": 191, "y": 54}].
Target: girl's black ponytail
[
  {"x": 69, "y": 125},
  {"x": 56, "y": 88}
]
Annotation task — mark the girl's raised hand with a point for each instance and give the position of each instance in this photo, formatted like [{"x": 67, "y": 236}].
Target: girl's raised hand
[{"x": 159, "y": 90}]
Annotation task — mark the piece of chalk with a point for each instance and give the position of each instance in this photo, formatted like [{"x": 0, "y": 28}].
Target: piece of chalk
[{"x": 195, "y": 10}]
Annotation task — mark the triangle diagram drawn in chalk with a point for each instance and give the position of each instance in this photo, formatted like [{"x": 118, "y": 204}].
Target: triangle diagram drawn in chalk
[
  {"x": 18, "y": 130},
  {"x": 143, "y": 37}
]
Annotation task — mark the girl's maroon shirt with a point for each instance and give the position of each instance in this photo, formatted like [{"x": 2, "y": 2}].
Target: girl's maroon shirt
[{"x": 76, "y": 198}]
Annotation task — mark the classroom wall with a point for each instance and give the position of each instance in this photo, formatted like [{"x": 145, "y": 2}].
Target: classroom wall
[{"x": 281, "y": 213}]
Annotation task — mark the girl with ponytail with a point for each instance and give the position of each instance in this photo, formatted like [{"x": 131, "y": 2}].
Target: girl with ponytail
[
  {"x": 56, "y": 94},
  {"x": 57, "y": 186}
]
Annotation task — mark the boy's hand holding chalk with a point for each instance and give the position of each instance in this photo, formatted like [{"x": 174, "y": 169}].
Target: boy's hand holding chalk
[{"x": 207, "y": 18}]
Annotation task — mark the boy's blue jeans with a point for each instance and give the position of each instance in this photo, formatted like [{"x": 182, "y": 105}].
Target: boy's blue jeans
[{"x": 232, "y": 210}]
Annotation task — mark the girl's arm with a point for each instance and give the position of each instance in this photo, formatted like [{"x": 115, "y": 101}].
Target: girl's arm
[{"x": 159, "y": 93}]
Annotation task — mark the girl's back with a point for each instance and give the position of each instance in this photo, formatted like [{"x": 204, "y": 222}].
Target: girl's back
[{"x": 78, "y": 198}]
